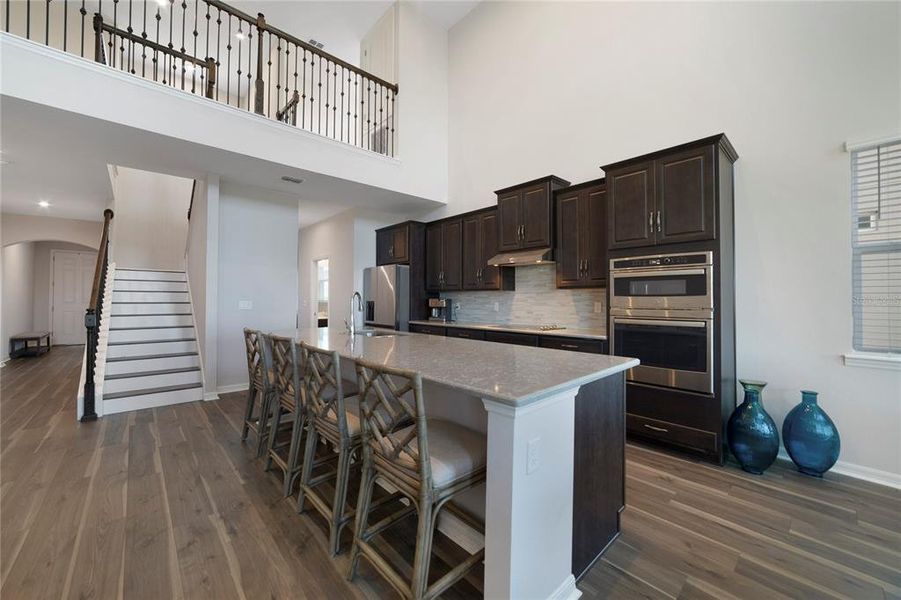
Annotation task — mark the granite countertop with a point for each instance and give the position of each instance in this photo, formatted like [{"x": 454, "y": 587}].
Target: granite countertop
[
  {"x": 511, "y": 374},
  {"x": 589, "y": 334}
]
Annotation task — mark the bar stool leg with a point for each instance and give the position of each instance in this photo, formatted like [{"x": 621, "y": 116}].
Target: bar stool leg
[
  {"x": 367, "y": 485},
  {"x": 338, "y": 505},
  {"x": 263, "y": 425},
  {"x": 291, "y": 472},
  {"x": 273, "y": 431},
  {"x": 423, "y": 556},
  {"x": 309, "y": 456},
  {"x": 248, "y": 411}
]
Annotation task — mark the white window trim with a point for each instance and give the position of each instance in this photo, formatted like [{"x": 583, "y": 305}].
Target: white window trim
[
  {"x": 853, "y": 146},
  {"x": 873, "y": 360}
]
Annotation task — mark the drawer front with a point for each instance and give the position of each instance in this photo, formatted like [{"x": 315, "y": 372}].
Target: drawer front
[
  {"x": 664, "y": 431},
  {"x": 469, "y": 334},
  {"x": 572, "y": 344},
  {"x": 429, "y": 329},
  {"x": 521, "y": 339}
]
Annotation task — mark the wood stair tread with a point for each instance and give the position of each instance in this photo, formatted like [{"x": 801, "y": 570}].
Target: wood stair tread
[
  {"x": 149, "y": 373},
  {"x": 155, "y": 390},
  {"x": 150, "y": 356},
  {"x": 151, "y": 341},
  {"x": 151, "y": 327}
]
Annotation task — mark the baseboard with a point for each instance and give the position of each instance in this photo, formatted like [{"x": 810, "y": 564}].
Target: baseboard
[
  {"x": 210, "y": 396},
  {"x": 886, "y": 478},
  {"x": 567, "y": 590},
  {"x": 3, "y": 362},
  {"x": 228, "y": 389}
]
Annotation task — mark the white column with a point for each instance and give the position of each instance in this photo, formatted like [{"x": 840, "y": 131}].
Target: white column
[{"x": 529, "y": 499}]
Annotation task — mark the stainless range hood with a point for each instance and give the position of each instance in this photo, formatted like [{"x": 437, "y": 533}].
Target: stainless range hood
[{"x": 536, "y": 256}]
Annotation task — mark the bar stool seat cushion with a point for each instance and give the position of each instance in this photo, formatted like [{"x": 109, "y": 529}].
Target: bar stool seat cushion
[
  {"x": 455, "y": 451},
  {"x": 352, "y": 410}
]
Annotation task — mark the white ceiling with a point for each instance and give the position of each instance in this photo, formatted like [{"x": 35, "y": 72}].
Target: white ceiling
[{"x": 62, "y": 157}]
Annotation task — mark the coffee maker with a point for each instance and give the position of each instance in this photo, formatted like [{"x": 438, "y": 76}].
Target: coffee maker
[{"x": 441, "y": 309}]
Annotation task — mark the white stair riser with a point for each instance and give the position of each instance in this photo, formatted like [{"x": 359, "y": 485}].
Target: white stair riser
[
  {"x": 151, "y": 400},
  {"x": 152, "y": 309},
  {"x": 137, "y": 335},
  {"x": 150, "y": 297},
  {"x": 151, "y": 364},
  {"x": 149, "y": 275},
  {"x": 117, "y": 321},
  {"x": 114, "y": 351},
  {"x": 151, "y": 286},
  {"x": 126, "y": 384}
]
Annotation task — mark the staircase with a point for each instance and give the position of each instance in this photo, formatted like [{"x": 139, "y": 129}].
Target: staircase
[{"x": 151, "y": 357}]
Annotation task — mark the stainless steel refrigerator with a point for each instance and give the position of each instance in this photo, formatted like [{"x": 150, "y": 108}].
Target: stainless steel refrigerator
[{"x": 386, "y": 297}]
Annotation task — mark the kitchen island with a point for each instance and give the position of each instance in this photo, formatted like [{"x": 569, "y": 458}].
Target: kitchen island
[{"x": 555, "y": 435}]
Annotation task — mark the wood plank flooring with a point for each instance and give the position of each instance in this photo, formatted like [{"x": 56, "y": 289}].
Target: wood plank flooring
[{"x": 167, "y": 503}]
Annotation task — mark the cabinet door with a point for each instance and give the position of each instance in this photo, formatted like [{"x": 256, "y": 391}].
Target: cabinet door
[
  {"x": 491, "y": 276},
  {"x": 472, "y": 252},
  {"x": 384, "y": 241},
  {"x": 630, "y": 197},
  {"x": 569, "y": 260},
  {"x": 452, "y": 255},
  {"x": 536, "y": 216},
  {"x": 686, "y": 196},
  {"x": 433, "y": 257},
  {"x": 509, "y": 218},
  {"x": 595, "y": 247},
  {"x": 400, "y": 244}
]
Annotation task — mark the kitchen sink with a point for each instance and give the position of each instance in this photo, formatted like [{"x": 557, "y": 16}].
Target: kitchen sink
[{"x": 376, "y": 333}]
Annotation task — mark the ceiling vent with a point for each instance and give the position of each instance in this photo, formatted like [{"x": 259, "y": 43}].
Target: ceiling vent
[{"x": 291, "y": 179}]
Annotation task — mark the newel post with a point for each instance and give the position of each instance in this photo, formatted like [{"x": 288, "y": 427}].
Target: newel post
[
  {"x": 210, "y": 77},
  {"x": 98, "y": 38},
  {"x": 258, "y": 83}
]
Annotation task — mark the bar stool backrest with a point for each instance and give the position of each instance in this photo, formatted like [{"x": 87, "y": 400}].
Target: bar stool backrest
[
  {"x": 258, "y": 361},
  {"x": 325, "y": 393},
  {"x": 389, "y": 398},
  {"x": 287, "y": 371}
]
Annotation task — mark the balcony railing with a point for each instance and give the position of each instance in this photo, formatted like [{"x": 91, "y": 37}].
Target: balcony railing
[{"x": 208, "y": 48}]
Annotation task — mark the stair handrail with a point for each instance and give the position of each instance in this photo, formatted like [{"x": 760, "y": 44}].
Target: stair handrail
[{"x": 92, "y": 317}]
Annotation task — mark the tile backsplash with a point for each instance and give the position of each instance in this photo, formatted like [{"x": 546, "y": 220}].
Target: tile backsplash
[{"x": 535, "y": 301}]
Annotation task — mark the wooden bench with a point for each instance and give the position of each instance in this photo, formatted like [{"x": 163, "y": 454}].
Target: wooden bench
[{"x": 30, "y": 343}]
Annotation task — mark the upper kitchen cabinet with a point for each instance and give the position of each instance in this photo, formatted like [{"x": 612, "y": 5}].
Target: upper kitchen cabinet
[
  {"x": 582, "y": 235},
  {"x": 668, "y": 196},
  {"x": 394, "y": 244},
  {"x": 525, "y": 214},
  {"x": 479, "y": 244},
  {"x": 444, "y": 255}
]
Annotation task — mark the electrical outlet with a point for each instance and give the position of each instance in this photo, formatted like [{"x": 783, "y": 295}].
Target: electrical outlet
[
  {"x": 497, "y": 306},
  {"x": 245, "y": 305},
  {"x": 598, "y": 307},
  {"x": 532, "y": 456}
]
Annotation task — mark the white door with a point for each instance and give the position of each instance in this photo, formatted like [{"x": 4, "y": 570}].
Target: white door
[{"x": 73, "y": 274}]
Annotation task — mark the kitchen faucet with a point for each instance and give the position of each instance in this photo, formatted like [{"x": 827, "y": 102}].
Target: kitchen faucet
[{"x": 352, "y": 326}]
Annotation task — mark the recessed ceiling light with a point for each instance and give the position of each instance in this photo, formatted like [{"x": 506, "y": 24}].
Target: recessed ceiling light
[
  {"x": 44, "y": 204},
  {"x": 291, "y": 179},
  {"x": 162, "y": 2}
]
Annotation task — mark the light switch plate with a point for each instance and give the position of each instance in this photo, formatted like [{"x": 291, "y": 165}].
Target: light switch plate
[
  {"x": 598, "y": 307},
  {"x": 497, "y": 307},
  {"x": 245, "y": 305}
]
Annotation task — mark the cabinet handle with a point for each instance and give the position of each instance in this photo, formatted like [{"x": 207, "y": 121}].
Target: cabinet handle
[
  {"x": 390, "y": 251},
  {"x": 522, "y": 232},
  {"x": 651, "y": 221},
  {"x": 660, "y": 429},
  {"x": 586, "y": 267},
  {"x": 658, "y": 222},
  {"x": 572, "y": 346}
]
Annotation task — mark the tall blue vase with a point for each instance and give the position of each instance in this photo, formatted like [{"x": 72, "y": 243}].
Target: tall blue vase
[
  {"x": 752, "y": 434},
  {"x": 810, "y": 436}
]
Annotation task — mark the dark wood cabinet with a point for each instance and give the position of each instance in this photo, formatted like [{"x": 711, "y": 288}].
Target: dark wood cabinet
[
  {"x": 590, "y": 345},
  {"x": 444, "y": 255},
  {"x": 525, "y": 214},
  {"x": 663, "y": 198},
  {"x": 393, "y": 244},
  {"x": 508, "y": 337},
  {"x": 582, "y": 235},
  {"x": 479, "y": 245},
  {"x": 469, "y": 334},
  {"x": 427, "y": 329}
]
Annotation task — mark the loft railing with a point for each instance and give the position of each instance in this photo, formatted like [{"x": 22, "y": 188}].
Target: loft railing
[
  {"x": 208, "y": 48},
  {"x": 92, "y": 317}
]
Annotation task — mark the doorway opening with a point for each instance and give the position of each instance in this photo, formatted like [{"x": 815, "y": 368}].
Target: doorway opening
[{"x": 320, "y": 292}]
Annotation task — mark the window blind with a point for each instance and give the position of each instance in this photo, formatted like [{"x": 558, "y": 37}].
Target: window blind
[{"x": 876, "y": 247}]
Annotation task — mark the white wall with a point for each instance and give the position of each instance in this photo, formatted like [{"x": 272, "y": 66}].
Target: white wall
[
  {"x": 43, "y": 279},
  {"x": 257, "y": 263},
  {"x": 547, "y": 87},
  {"x": 150, "y": 225},
  {"x": 18, "y": 291},
  {"x": 201, "y": 264},
  {"x": 29, "y": 228}
]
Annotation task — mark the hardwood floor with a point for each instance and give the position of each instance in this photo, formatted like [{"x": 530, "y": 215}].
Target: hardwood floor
[{"x": 167, "y": 503}]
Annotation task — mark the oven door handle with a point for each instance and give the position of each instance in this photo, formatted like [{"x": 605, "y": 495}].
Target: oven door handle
[
  {"x": 693, "y": 324},
  {"x": 657, "y": 272}
]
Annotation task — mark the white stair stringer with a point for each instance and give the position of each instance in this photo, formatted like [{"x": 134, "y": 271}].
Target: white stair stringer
[
  {"x": 102, "y": 340},
  {"x": 152, "y": 356}
]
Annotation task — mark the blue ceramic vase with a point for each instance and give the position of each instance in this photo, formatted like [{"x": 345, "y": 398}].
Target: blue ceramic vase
[
  {"x": 810, "y": 436},
  {"x": 752, "y": 434}
]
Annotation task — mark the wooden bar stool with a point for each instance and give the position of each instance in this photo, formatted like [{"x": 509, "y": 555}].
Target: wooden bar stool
[
  {"x": 333, "y": 418},
  {"x": 288, "y": 371},
  {"x": 259, "y": 372},
  {"x": 428, "y": 462}
]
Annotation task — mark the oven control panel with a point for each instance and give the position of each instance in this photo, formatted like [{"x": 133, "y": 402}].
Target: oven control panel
[{"x": 667, "y": 260}]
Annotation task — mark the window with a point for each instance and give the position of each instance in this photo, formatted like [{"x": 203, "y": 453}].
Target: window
[
  {"x": 321, "y": 291},
  {"x": 876, "y": 247}
]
